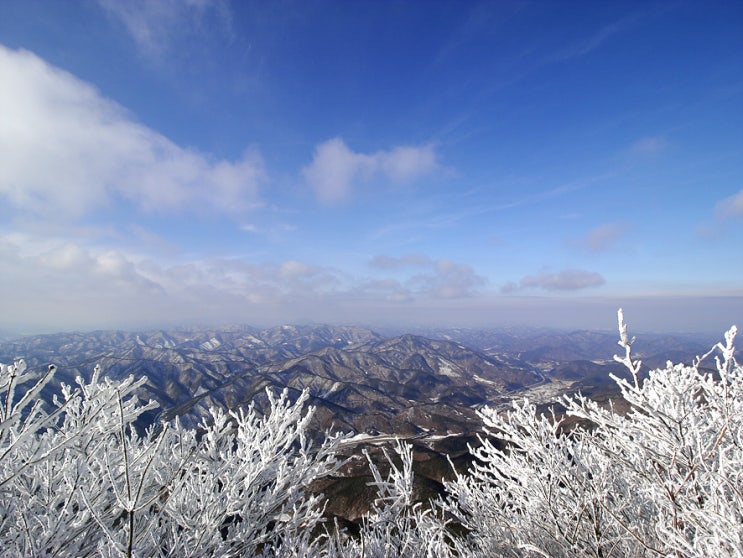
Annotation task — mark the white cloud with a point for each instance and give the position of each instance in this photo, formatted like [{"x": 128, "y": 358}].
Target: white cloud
[
  {"x": 445, "y": 279},
  {"x": 149, "y": 240},
  {"x": 64, "y": 283},
  {"x": 335, "y": 169},
  {"x": 403, "y": 164},
  {"x": 66, "y": 149},
  {"x": 408, "y": 260},
  {"x": 65, "y": 270},
  {"x": 389, "y": 290},
  {"x": 567, "y": 280},
  {"x": 293, "y": 269},
  {"x": 452, "y": 280}
]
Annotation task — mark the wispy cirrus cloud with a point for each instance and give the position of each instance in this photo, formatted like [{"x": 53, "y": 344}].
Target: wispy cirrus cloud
[
  {"x": 66, "y": 149},
  {"x": 567, "y": 280},
  {"x": 600, "y": 239},
  {"x": 335, "y": 169},
  {"x": 648, "y": 146},
  {"x": 590, "y": 43},
  {"x": 725, "y": 210},
  {"x": 157, "y": 26},
  {"x": 730, "y": 207}
]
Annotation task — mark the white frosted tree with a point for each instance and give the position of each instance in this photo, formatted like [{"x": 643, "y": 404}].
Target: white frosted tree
[
  {"x": 664, "y": 479},
  {"x": 47, "y": 459},
  {"x": 79, "y": 480},
  {"x": 244, "y": 491}
]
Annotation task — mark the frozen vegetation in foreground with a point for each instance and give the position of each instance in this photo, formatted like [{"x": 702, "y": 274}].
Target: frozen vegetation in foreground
[{"x": 664, "y": 479}]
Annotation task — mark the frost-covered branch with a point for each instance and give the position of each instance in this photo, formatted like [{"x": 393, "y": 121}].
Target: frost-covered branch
[{"x": 397, "y": 524}]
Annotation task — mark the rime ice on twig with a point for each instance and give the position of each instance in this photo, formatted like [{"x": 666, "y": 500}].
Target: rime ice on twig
[{"x": 625, "y": 342}]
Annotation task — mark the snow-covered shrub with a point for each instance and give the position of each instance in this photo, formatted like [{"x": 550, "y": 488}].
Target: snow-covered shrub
[
  {"x": 80, "y": 481},
  {"x": 664, "y": 479},
  {"x": 397, "y": 525},
  {"x": 49, "y": 461},
  {"x": 244, "y": 490}
]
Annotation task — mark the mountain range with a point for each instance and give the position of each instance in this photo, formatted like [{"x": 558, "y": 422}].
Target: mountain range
[{"x": 425, "y": 388}]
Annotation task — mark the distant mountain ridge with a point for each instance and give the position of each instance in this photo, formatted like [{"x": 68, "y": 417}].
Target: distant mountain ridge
[{"x": 358, "y": 378}]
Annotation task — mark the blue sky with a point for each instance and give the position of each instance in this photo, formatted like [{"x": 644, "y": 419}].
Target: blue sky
[{"x": 383, "y": 163}]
